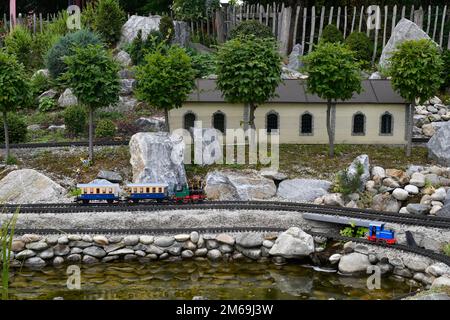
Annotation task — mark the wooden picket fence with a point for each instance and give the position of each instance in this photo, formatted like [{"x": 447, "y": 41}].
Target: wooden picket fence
[{"x": 305, "y": 25}]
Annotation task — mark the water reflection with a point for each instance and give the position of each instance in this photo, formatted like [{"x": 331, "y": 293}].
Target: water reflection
[{"x": 184, "y": 280}]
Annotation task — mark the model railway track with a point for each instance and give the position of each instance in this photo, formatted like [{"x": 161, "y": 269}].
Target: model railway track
[
  {"x": 215, "y": 230},
  {"x": 399, "y": 218},
  {"x": 103, "y": 144}
]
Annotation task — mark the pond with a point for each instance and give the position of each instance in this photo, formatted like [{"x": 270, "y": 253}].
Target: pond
[{"x": 185, "y": 280}]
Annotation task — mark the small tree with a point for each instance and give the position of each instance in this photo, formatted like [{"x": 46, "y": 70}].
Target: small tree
[
  {"x": 416, "y": 72},
  {"x": 14, "y": 91},
  {"x": 109, "y": 19},
  {"x": 248, "y": 71},
  {"x": 333, "y": 75},
  {"x": 165, "y": 80},
  {"x": 92, "y": 75}
]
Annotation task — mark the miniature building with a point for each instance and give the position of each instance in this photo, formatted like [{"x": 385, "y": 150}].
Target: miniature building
[{"x": 376, "y": 116}]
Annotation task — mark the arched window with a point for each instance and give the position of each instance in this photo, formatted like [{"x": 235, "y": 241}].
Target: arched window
[
  {"x": 272, "y": 121},
  {"x": 359, "y": 124},
  {"x": 189, "y": 120},
  {"x": 386, "y": 124},
  {"x": 218, "y": 121},
  {"x": 306, "y": 124}
]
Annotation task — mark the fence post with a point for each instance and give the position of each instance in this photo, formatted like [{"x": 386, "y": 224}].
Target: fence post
[
  {"x": 330, "y": 18},
  {"x": 304, "y": 29},
  {"x": 418, "y": 17},
  {"x": 285, "y": 30},
  {"x": 436, "y": 17},
  {"x": 353, "y": 19},
  {"x": 41, "y": 28},
  {"x": 386, "y": 12},
  {"x": 345, "y": 22},
  {"x": 220, "y": 26},
  {"x": 360, "y": 18},
  {"x": 429, "y": 20},
  {"x": 313, "y": 26},
  {"x": 394, "y": 17},
  {"x": 294, "y": 36},
  {"x": 441, "y": 36},
  {"x": 338, "y": 20},
  {"x": 322, "y": 17}
]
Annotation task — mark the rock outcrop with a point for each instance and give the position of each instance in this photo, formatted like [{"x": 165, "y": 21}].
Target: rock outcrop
[
  {"x": 439, "y": 145},
  {"x": 30, "y": 186},
  {"x": 244, "y": 185},
  {"x": 158, "y": 157},
  {"x": 303, "y": 189}
]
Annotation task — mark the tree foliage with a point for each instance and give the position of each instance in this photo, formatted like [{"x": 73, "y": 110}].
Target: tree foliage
[
  {"x": 167, "y": 28},
  {"x": 65, "y": 47},
  {"x": 194, "y": 9},
  {"x": 416, "y": 69},
  {"x": 108, "y": 21},
  {"x": 333, "y": 73},
  {"x": 248, "y": 69},
  {"x": 446, "y": 69},
  {"x": 165, "y": 80},
  {"x": 251, "y": 27},
  {"x": 361, "y": 45},
  {"x": 332, "y": 34}
]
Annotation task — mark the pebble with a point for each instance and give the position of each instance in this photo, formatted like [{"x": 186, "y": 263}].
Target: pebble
[
  {"x": 194, "y": 236},
  {"x": 214, "y": 254},
  {"x": 182, "y": 237},
  {"x": 146, "y": 239},
  {"x": 225, "y": 238},
  {"x": 101, "y": 240},
  {"x": 131, "y": 240},
  {"x": 164, "y": 241}
]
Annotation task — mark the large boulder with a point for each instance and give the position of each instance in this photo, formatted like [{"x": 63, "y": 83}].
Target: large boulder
[
  {"x": 354, "y": 263},
  {"x": 158, "y": 157},
  {"x": 67, "y": 99},
  {"x": 147, "y": 24},
  {"x": 30, "y": 186},
  {"x": 439, "y": 145},
  {"x": 404, "y": 30},
  {"x": 243, "y": 185},
  {"x": 303, "y": 189},
  {"x": 293, "y": 243},
  {"x": 385, "y": 202},
  {"x": 294, "y": 61}
]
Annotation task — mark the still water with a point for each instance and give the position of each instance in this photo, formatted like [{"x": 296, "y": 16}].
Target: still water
[{"x": 184, "y": 280}]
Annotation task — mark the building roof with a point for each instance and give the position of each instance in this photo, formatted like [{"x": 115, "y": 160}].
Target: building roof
[
  {"x": 161, "y": 185},
  {"x": 294, "y": 91}
]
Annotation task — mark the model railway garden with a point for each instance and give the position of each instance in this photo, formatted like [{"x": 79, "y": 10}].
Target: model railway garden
[{"x": 97, "y": 172}]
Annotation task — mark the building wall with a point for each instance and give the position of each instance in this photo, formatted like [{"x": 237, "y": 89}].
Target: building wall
[{"x": 289, "y": 120}]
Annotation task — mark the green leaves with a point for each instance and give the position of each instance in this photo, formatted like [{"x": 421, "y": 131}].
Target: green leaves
[
  {"x": 333, "y": 72},
  {"x": 165, "y": 80},
  {"x": 14, "y": 89},
  {"x": 248, "y": 69},
  {"x": 416, "y": 69},
  {"x": 92, "y": 75}
]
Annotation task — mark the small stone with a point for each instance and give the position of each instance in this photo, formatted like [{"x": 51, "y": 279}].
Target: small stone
[
  {"x": 194, "y": 236},
  {"x": 211, "y": 244},
  {"x": 80, "y": 244},
  {"x": 187, "y": 254},
  {"x": 402, "y": 272},
  {"x": 27, "y": 238},
  {"x": 378, "y": 171},
  {"x": 74, "y": 237},
  {"x": 391, "y": 183},
  {"x": 334, "y": 259},
  {"x": 115, "y": 239},
  {"x": 109, "y": 258},
  {"x": 420, "y": 209},
  {"x": 182, "y": 237},
  {"x": 131, "y": 240},
  {"x": 201, "y": 252},
  {"x": 164, "y": 241},
  {"x": 89, "y": 259},
  {"x": 17, "y": 245},
  {"x": 400, "y": 194},
  {"x": 74, "y": 258},
  {"x": 35, "y": 262},
  {"x": 417, "y": 179},
  {"x": 25, "y": 254},
  {"x": 113, "y": 247},
  {"x": 249, "y": 239},
  {"x": 439, "y": 195},
  {"x": 268, "y": 244},
  {"x": 101, "y": 240},
  {"x": 226, "y": 248},
  {"x": 130, "y": 257},
  {"x": 57, "y": 261},
  {"x": 152, "y": 256},
  {"x": 146, "y": 239},
  {"x": 76, "y": 250},
  {"x": 441, "y": 282},
  {"x": 225, "y": 238},
  {"x": 438, "y": 269},
  {"x": 411, "y": 189},
  {"x": 189, "y": 245},
  {"x": 154, "y": 250},
  {"x": 95, "y": 251},
  {"x": 47, "y": 254},
  {"x": 174, "y": 250},
  {"x": 86, "y": 238},
  {"x": 121, "y": 252},
  {"x": 403, "y": 210},
  {"x": 52, "y": 240},
  {"x": 214, "y": 254},
  {"x": 361, "y": 249},
  {"x": 349, "y": 247},
  {"x": 63, "y": 240},
  {"x": 163, "y": 256}
]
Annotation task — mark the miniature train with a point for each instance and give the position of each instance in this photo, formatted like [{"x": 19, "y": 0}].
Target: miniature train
[
  {"x": 138, "y": 192},
  {"x": 377, "y": 233}
]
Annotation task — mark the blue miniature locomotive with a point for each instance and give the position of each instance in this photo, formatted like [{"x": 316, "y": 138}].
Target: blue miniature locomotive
[{"x": 377, "y": 233}]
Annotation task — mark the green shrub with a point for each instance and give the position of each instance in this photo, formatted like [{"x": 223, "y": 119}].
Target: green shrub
[
  {"x": 332, "y": 34},
  {"x": 446, "y": 249},
  {"x": 347, "y": 183},
  {"x": 353, "y": 231},
  {"x": 109, "y": 19},
  {"x": 65, "y": 47},
  {"x": 167, "y": 28},
  {"x": 361, "y": 45},
  {"x": 446, "y": 75},
  {"x": 203, "y": 64},
  {"x": 17, "y": 128},
  {"x": 105, "y": 129},
  {"x": 140, "y": 48},
  {"x": 47, "y": 104},
  {"x": 19, "y": 42},
  {"x": 39, "y": 83},
  {"x": 58, "y": 26},
  {"x": 75, "y": 119},
  {"x": 251, "y": 27}
]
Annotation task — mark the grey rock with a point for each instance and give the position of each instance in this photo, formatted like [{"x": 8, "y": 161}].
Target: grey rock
[
  {"x": 375, "y": 76},
  {"x": 226, "y": 238},
  {"x": 76, "y": 250},
  {"x": 294, "y": 61},
  {"x": 48, "y": 94},
  {"x": 67, "y": 99},
  {"x": 187, "y": 254},
  {"x": 404, "y": 30},
  {"x": 95, "y": 251},
  {"x": 189, "y": 245},
  {"x": 354, "y": 263},
  {"x": 109, "y": 258},
  {"x": 182, "y": 237},
  {"x": 57, "y": 261},
  {"x": 131, "y": 240},
  {"x": 416, "y": 208},
  {"x": 74, "y": 258},
  {"x": 249, "y": 239},
  {"x": 242, "y": 185},
  {"x": 123, "y": 58},
  {"x": 25, "y": 254},
  {"x": 80, "y": 244},
  {"x": 400, "y": 194},
  {"x": 194, "y": 236},
  {"x": 130, "y": 257},
  {"x": 439, "y": 145},
  {"x": 201, "y": 252},
  {"x": 127, "y": 86},
  {"x": 89, "y": 259},
  {"x": 35, "y": 262},
  {"x": 121, "y": 252},
  {"x": 152, "y": 124},
  {"x": 164, "y": 241},
  {"x": 385, "y": 202},
  {"x": 154, "y": 250},
  {"x": 214, "y": 254},
  {"x": 63, "y": 240},
  {"x": 52, "y": 240},
  {"x": 47, "y": 254},
  {"x": 158, "y": 157},
  {"x": 442, "y": 281},
  {"x": 211, "y": 244},
  {"x": 303, "y": 189},
  {"x": 111, "y": 176},
  {"x": 101, "y": 240},
  {"x": 438, "y": 269},
  {"x": 402, "y": 272},
  {"x": 61, "y": 250},
  {"x": 146, "y": 239},
  {"x": 353, "y": 169},
  {"x": 268, "y": 244},
  {"x": 164, "y": 256},
  {"x": 174, "y": 250},
  {"x": 114, "y": 247},
  {"x": 225, "y": 248},
  {"x": 37, "y": 246},
  {"x": 411, "y": 189},
  {"x": 30, "y": 186},
  {"x": 334, "y": 259},
  {"x": 293, "y": 243}
]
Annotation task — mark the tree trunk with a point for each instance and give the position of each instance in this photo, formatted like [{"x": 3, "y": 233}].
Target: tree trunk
[
  {"x": 5, "y": 126},
  {"x": 251, "y": 116},
  {"x": 166, "y": 118},
  {"x": 410, "y": 128},
  {"x": 330, "y": 127},
  {"x": 91, "y": 134}
]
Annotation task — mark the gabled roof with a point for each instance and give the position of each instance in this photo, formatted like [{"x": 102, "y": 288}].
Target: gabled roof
[{"x": 294, "y": 91}]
